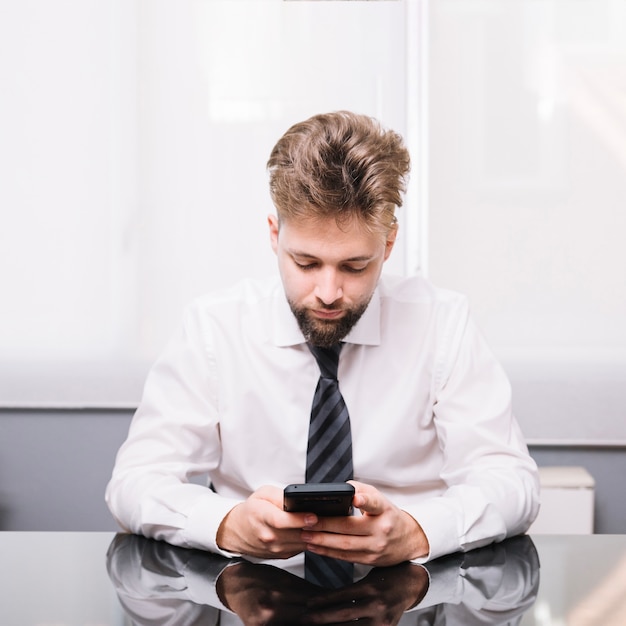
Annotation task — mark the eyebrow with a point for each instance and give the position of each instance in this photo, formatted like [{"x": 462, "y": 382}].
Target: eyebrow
[{"x": 354, "y": 259}]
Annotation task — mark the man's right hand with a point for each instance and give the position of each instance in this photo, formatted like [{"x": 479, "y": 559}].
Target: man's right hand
[{"x": 260, "y": 528}]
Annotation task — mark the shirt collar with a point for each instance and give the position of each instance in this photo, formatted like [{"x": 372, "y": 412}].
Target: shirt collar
[{"x": 286, "y": 331}]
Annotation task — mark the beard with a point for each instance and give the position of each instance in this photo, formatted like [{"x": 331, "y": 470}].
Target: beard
[{"x": 326, "y": 333}]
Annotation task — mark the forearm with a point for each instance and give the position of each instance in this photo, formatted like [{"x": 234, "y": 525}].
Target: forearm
[
  {"x": 163, "y": 507},
  {"x": 483, "y": 509}
]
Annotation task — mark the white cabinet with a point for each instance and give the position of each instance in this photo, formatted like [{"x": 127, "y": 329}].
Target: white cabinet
[{"x": 567, "y": 501}]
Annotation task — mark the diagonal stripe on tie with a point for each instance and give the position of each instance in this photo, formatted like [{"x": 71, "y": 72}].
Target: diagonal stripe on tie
[
  {"x": 329, "y": 453},
  {"x": 329, "y": 456}
]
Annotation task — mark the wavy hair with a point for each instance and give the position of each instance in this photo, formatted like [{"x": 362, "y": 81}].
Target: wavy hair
[{"x": 340, "y": 165}]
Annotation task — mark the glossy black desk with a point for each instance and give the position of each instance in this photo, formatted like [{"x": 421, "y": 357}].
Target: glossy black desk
[{"x": 100, "y": 579}]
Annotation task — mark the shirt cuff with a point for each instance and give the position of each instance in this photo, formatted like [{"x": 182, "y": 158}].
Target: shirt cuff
[
  {"x": 438, "y": 520},
  {"x": 205, "y": 519}
]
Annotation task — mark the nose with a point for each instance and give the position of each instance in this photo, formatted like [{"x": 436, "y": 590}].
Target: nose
[{"x": 328, "y": 287}]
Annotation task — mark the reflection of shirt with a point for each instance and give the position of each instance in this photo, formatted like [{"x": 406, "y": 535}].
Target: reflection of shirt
[{"x": 430, "y": 411}]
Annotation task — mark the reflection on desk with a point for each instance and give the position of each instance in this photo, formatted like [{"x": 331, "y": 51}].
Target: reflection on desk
[
  {"x": 161, "y": 584},
  {"x": 62, "y": 578}
]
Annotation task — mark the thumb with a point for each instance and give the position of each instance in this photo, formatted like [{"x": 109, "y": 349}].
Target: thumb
[
  {"x": 271, "y": 494},
  {"x": 367, "y": 498}
]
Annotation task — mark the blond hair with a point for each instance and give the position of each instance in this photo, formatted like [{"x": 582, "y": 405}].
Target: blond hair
[{"x": 340, "y": 165}]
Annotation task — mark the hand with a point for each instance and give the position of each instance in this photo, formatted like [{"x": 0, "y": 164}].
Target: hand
[
  {"x": 260, "y": 528},
  {"x": 382, "y": 535}
]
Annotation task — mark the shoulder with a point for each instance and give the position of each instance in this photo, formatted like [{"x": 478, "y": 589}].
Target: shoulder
[{"x": 245, "y": 304}]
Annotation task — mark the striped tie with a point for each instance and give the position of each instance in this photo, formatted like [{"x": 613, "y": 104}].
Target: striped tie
[{"x": 329, "y": 455}]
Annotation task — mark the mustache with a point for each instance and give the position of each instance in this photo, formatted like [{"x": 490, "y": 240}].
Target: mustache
[{"x": 328, "y": 307}]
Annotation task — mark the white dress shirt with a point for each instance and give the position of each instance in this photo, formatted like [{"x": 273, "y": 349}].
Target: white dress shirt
[{"x": 430, "y": 412}]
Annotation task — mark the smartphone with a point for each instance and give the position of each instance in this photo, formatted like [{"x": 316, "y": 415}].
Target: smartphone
[{"x": 323, "y": 499}]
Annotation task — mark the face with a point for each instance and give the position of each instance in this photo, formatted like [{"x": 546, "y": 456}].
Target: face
[{"x": 329, "y": 273}]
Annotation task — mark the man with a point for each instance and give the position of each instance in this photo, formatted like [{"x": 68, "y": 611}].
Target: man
[{"x": 438, "y": 461}]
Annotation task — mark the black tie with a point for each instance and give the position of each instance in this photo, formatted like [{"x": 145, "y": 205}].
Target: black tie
[{"x": 329, "y": 455}]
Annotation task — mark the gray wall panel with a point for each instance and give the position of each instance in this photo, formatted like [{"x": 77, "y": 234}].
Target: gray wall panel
[{"x": 54, "y": 466}]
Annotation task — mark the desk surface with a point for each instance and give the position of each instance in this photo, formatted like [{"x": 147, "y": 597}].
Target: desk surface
[{"x": 122, "y": 580}]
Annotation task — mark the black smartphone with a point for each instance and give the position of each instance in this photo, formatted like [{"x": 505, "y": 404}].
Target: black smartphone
[{"x": 323, "y": 499}]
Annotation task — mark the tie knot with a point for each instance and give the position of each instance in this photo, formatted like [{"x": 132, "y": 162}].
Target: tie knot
[{"x": 327, "y": 359}]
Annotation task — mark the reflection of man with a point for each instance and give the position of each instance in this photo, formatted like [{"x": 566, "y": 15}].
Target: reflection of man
[
  {"x": 438, "y": 461},
  {"x": 262, "y": 594},
  {"x": 155, "y": 582}
]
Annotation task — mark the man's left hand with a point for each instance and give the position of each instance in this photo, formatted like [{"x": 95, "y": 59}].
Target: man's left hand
[{"x": 383, "y": 535}]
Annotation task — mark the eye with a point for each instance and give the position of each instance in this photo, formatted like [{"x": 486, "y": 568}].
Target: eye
[
  {"x": 305, "y": 267},
  {"x": 354, "y": 270}
]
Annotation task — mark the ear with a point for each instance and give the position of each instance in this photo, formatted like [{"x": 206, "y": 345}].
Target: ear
[
  {"x": 272, "y": 222},
  {"x": 391, "y": 239}
]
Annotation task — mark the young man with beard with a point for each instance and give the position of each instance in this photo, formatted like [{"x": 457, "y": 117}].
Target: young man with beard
[{"x": 439, "y": 464}]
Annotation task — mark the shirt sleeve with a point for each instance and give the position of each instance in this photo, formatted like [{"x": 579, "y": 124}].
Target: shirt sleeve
[
  {"x": 174, "y": 436},
  {"x": 492, "y": 487}
]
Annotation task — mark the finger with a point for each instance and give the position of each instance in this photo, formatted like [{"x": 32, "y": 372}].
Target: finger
[
  {"x": 372, "y": 504},
  {"x": 368, "y": 499},
  {"x": 271, "y": 500},
  {"x": 335, "y": 544},
  {"x": 275, "y": 517},
  {"x": 271, "y": 494},
  {"x": 301, "y": 521},
  {"x": 350, "y": 525},
  {"x": 358, "y": 548},
  {"x": 272, "y": 540}
]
